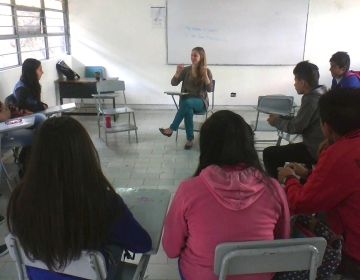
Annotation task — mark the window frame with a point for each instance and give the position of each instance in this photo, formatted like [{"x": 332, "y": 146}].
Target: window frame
[{"x": 43, "y": 29}]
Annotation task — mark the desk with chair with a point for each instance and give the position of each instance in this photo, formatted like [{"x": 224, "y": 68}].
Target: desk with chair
[
  {"x": 197, "y": 125},
  {"x": 59, "y": 109},
  {"x": 149, "y": 207},
  {"x": 11, "y": 125}
]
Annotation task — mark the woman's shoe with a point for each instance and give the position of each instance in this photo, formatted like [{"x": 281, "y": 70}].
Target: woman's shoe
[
  {"x": 162, "y": 130},
  {"x": 188, "y": 145}
]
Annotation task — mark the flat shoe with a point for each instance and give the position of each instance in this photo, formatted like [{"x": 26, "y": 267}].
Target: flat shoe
[
  {"x": 162, "y": 130},
  {"x": 188, "y": 146}
]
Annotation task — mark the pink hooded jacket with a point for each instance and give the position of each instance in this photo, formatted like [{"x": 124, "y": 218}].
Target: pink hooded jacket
[{"x": 223, "y": 205}]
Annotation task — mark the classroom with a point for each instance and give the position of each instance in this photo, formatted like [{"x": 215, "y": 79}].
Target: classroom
[{"x": 168, "y": 123}]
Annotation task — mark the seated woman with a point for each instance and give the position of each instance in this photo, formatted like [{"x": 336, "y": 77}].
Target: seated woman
[
  {"x": 65, "y": 204},
  {"x": 27, "y": 91},
  {"x": 196, "y": 83},
  {"x": 333, "y": 186},
  {"x": 229, "y": 199}
]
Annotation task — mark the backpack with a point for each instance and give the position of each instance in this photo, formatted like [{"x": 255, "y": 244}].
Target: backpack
[{"x": 65, "y": 70}]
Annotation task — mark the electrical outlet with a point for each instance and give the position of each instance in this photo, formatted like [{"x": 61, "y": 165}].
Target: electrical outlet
[{"x": 233, "y": 94}]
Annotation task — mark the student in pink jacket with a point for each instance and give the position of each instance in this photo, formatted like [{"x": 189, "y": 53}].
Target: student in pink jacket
[{"x": 229, "y": 199}]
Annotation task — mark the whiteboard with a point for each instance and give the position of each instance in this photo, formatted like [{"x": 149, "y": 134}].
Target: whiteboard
[{"x": 237, "y": 32}]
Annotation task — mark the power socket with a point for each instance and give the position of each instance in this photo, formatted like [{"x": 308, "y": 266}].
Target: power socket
[{"x": 233, "y": 94}]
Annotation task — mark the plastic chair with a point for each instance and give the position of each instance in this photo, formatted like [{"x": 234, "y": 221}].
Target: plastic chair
[
  {"x": 113, "y": 86},
  {"x": 273, "y": 104},
  {"x": 91, "y": 264},
  {"x": 269, "y": 256},
  {"x": 197, "y": 125}
]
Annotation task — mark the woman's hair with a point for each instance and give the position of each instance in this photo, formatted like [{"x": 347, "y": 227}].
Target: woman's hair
[
  {"x": 64, "y": 204},
  {"x": 202, "y": 63},
  {"x": 341, "y": 59},
  {"x": 340, "y": 109},
  {"x": 308, "y": 72},
  {"x": 30, "y": 78},
  {"x": 227, "y": 140}
]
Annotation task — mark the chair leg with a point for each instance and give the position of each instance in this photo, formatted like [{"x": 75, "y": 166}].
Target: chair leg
[
  {"x": 136, "y": 135},
  {"x": 129, "y": 127},
  {"x": 124, "y": 98},
  {"x": 6, "y": 174}
]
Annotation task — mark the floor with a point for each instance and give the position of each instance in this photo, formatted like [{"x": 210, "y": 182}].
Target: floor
[{"x": 155, "y": 162}]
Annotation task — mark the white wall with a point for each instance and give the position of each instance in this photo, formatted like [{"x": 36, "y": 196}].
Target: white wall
[
  {"x": 8, "y": 79},
  {"x": 119, "y": 35}
]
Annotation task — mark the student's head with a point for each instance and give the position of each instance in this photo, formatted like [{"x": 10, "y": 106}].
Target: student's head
[
  {"x": 227, "y": 140},
  {"x": 31, "y": 73},
  {"x": 198, "y": 56},
  {"x": 306, "y": 77},
  {"x": 340, "y": 112},
  {"x": 61, "y": 206},
  {"x": 339, "y": 64}
]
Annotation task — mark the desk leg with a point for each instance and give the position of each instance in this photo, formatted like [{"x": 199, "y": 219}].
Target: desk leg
[
  {"x": 114, "y": 108},
  {"x": 177, "y": 107},
  {"x": 140, "y": 271}
]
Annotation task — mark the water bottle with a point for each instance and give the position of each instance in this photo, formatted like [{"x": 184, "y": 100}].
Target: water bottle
[{"x": 108, "y": 121}]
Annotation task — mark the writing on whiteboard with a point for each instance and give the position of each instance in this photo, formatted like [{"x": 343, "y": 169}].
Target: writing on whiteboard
[{"x": 203, "y": 33}]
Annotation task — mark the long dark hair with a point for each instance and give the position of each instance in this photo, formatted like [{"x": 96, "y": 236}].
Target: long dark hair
[
  {"x": 30, "y": 78},
  {"x": 227, "y": 140},
  {"x": 62, "y": 205}
]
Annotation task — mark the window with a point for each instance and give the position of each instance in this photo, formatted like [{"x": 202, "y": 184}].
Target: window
[{"x": 32, "y": 28}]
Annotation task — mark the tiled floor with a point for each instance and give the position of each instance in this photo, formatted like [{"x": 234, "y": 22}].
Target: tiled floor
[{"x": 155, "y": 162}]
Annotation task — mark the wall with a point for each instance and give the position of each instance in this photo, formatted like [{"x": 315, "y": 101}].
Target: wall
[
  {"x": 119, "y": 35},
  {"x": 8, "y": 79}
]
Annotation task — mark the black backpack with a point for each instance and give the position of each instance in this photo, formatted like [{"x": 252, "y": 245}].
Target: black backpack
[{"x": 64, "y": 69}]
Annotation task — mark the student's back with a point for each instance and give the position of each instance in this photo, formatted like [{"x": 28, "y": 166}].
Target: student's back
[
  {"x": 65, "y": 204},
  {"x": 227, "y": 201}
]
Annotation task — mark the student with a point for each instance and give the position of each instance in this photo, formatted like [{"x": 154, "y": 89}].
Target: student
[
  {"x": 27, "y": 91},
  {"x": 65, "y": 204},
  {"x": 229, "y": 199},
  {"x": 306, "y": 122},
  {"x": 196, "y": 82},
  {"x": 333, "y": 187},
  {"x": 339, "y": 68}
]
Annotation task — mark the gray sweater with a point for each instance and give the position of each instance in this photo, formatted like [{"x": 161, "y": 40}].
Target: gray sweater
[
  {"x": 306, "y": 122},
  {"x": 193, "y": 89}
]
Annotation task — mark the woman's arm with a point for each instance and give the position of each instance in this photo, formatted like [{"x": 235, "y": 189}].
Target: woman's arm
[
  {"x": 127, "y": 233},
  {"x": 4, "y": 112},
  {"x": 179, "y": 75},
  {"x": 175, "y": 229},
  {"x": 208, "y": 80}
]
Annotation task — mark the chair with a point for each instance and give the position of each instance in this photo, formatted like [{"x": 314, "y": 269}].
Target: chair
[
  {"x": 269, "y": 256},
  {"x": 197, "y": 125},
  {"x": 273, "y": 104},
  {"x": 113, "y": 86},
  {"x": 91, "y": 70},
  {"x": 91, "y": 264}
]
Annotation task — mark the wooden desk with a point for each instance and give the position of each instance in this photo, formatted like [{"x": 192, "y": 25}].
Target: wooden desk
[
  {"x": 82, "y": 88},
  {"x": 78, "y": 89},
  {"x": 149, "y": 207}
]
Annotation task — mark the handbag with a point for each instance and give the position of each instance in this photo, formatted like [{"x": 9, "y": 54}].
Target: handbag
[
  {"x": 65, "y": 70},
  {"x": 311, "y": 226}
]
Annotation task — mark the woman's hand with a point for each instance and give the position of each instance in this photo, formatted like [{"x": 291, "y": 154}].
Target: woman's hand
[
  {"x": 284, "y": 172},
  {"x": 299, "y": 169},
  {"x": 179, "y": 69}
]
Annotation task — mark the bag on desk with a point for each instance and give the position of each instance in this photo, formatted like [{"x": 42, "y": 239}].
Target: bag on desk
[{"x": 65, "y": 70}]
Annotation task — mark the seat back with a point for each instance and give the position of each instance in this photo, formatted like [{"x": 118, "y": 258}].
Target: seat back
[
  {"x": 90, "y": 265},
  {"x": 91, "y": 70},
  {"x": 276, "y": 104},
  {"x": 110, "y": 86},
  {"x": 254, "y": 257}
]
